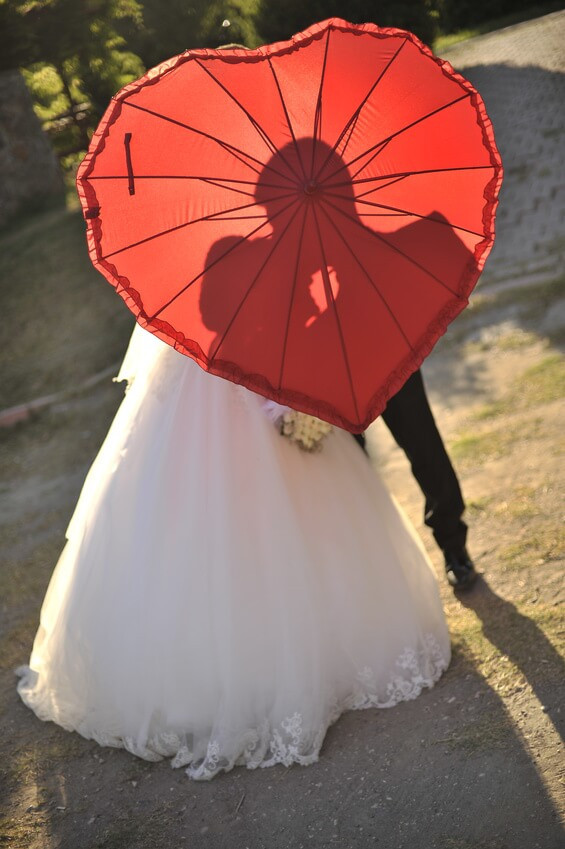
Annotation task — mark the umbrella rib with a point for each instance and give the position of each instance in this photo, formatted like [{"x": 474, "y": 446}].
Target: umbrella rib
[
  {"x": 349, "y": 135},
  {"x": 378, "y": 188},
  {"x": 211, "y": 182},
  {"x": 214, "y": 181},
  {"x": 335, "y": 312},
  {"x": 254, "y": 281},
  {"x": 212, "y": 217},
  {"x": 406, "y": 212},
  {"x": 318, "y": 113},
  {"x": 239, "y": 218},
  {"x": 287, "y": 116},
  {"x": 220, "y": 185},
  {"x": 394, "y": 248},
  {"x": 230, "y": 148},
  {"x": 386, "y": 140},
  {"x": 262, "y": 133},
  {"x": 371, "y": 281},
  {"x": 216, "y": 261},
  {"x": 357, "y": 112},
  {"x": 219, "y": 181},
  {"x": 410, "y": 174},
  {"x": 205, "y": 178},
  {"x": 380, "y": 147},
  {"x": 226, "y": 145},
  {"x": 376, "y": 153},
  {"x": 404, "y": 174},
  {"x": 292, "y": 293}
]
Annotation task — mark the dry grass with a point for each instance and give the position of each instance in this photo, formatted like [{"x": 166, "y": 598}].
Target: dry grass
[
  {"x": 474, "y": 447},
  {"x": 56, "y": 309},
  {"x": 535, "y": 547}
]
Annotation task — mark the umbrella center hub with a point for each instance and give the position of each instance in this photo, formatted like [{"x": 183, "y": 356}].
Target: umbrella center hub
[{"x": 311, "y": 187}]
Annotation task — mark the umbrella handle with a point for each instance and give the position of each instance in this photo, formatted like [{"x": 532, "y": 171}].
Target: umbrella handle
[{"x": 131, "y": 184}]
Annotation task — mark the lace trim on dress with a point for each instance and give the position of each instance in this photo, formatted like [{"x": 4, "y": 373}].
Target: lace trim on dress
[{"x": 265, "y": 746}]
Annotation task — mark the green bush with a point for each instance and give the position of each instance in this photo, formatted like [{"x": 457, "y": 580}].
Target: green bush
[
  {"x": 461, "y": 14},
  {"x": 279, "y": 19}
]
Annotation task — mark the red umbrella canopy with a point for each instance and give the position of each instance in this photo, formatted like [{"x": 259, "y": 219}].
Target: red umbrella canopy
[{"x": 305, "y": 218}]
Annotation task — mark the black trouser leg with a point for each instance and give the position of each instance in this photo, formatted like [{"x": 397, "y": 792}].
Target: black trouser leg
[
  {"x": 410, "y": 420},
  {"x": 360, "y": 440}
]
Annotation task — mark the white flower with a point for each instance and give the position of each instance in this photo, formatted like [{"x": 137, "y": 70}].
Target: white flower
[{"x": 306, "y": 431}]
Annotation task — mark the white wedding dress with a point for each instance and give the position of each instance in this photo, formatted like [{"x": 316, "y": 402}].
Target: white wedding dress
[{"x": 223, "y": 595}]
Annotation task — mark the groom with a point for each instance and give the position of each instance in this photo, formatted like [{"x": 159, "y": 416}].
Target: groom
[{"x": 410, "y": 420}]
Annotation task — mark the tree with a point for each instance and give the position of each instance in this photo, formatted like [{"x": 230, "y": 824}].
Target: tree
[
  {"x": 15, "y": 38},
  {"x": 279, "y": 19},
  {"x": 177, "y": 25},
  {"x": 74, "y": 58}
]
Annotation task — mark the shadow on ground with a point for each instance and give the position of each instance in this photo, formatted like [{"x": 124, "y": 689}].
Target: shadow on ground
[{"x": 444, "y": 771}]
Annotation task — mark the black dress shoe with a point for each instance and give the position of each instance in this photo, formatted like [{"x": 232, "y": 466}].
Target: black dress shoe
[{"x": 460, "y": 569}]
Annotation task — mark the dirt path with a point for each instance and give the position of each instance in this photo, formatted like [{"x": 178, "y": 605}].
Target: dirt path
[
  {"x": 478, "y": 756},
  {"x": 476, "y": 763}
]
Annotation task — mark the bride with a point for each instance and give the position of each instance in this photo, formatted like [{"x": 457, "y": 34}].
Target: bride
[{"x": 223, "y": 595}]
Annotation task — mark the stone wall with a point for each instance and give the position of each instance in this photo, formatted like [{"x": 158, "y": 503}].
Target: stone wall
[{"x": 29, "y": 170}]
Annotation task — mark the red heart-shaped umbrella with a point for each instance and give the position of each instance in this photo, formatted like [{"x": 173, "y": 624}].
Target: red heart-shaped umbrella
[{"x": 305, "y": 218}]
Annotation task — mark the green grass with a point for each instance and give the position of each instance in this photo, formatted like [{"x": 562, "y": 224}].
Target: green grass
[
  {"x": 478, "y": 506},
  {"x": 482, "y": 733},
  {"x": 529, "y": 305},
  {"x": 512, "y": 340},
  {"x": 515, "y": 340},
  {"x": 492, "y": 410},
  {"x": 536, "y": 298},
  {"x": 142, "y": 830},
  {"x": 522, "y": 503},
  {"x": 18, "y": 834},
  {"x": 550, "y": 620},
  {"x": 542, "y": 383},
  {"x": 443, "y": 42},
  {"x": 537, "y": 544},
  {"x": 476, "y": 448}
]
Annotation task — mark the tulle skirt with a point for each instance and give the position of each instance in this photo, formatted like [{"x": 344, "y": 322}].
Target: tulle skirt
[{"x": 224, "y": 596}]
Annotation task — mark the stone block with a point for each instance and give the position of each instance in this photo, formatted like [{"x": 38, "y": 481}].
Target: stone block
[{"x": 29, "y": 170}]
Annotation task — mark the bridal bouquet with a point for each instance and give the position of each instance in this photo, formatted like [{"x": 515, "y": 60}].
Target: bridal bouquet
[{"x": 306, "y": 431}]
